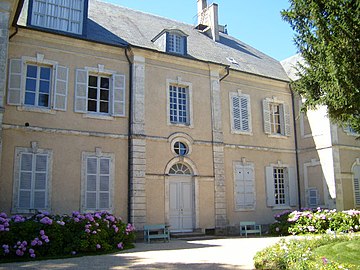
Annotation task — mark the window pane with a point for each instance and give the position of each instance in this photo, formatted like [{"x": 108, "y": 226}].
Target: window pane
[
  {"x": 93, "y": 81},
  {"x": 43, "y": 100},
  {"x": 44, "y": 87},
  {"x": 104, "y": 95},
  {"x": 92, "y": 93},
  {"x": 92, "y": 106},
  {"x": 30, "y": 98},
  {"x": 31, "y": 71},
  {"x": 104, "y": 83},
  {"x": 104, "y": 107},
  {"x": 45, "y": 73},
  {"x": 30, "y": 85}
]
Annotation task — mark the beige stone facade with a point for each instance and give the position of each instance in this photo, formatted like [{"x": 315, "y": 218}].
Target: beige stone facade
[{"x": 178, "y": 139}]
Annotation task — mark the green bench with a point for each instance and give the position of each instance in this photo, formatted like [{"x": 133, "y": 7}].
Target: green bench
[
  {"x": 247, "y": 227},
  {"x": 156, "y": 231}
]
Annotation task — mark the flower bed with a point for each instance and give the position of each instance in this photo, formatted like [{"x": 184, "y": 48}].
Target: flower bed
[
  {"x": 315, "y": 221},
  {"x": 43, "y": 235}
]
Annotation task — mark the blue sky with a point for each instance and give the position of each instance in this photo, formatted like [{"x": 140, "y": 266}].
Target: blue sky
[{"x": 255, "y": 22}]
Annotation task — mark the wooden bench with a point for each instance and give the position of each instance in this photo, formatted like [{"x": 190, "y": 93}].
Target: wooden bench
[
  {"x": 249, "y": 227},
  {"x": 156, "y": 231}
]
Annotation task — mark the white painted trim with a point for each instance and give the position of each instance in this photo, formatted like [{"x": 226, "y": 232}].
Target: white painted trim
[
  {"x": 179, "y": 83},
  {"x": 243, "y": 163},
  {"x": 187, "y": 161},
  {"x": 180, "y": 137},
  {"x": 16, "y": 177},
  {"x": 233, "y": 130}
]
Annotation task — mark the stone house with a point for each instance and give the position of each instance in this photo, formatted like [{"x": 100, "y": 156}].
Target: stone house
[{"x": 152, "y": 119}]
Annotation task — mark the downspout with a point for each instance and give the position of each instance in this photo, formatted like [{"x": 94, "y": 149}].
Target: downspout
[
  {"x": 16, "y": 17},
  {"x": 296, "y": 146},
  {"x": 227, "y": 73},
  {"x": 129, "y": 131}
]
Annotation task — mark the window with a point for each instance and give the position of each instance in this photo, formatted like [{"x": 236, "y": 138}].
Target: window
[
  {"x": 180, "y": 148},
  {"x": 179, "y": 104},
  {"x": 244, "y": 186},
  {"x": 32, "y": 179},
  {"x": 313, "y": 197},
  {"x": 37, "y": 83},
  {"x": 175, "y": 43},
  {"x": 62, "y": 15},
  {"x": 240, "y": 113},
  {"x": 180, "y": 168},
  {"x": 98, "y": 173},
  {"x": 356, "y": 172},
  {"x": 100, "y": 92},
  {"x": 276, "y": 118},
  {"x": 281, "y": 186}
]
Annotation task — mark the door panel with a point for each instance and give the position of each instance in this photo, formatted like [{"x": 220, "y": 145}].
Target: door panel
[{"x": 181, "y": 205}]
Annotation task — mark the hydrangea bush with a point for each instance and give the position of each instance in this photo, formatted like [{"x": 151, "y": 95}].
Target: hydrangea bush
[
  {"x": 315, "y": 221},
  {"x": 43, "y": 235}
]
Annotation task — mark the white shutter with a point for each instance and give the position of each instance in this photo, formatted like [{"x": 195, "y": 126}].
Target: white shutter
[
  {"x": 40, "y": 181},
  {"x": 81, "y": 92},
  {"x": 91, "y": 183},
  {"x": 270, "y": 187},
  {"x": 25, "y": 181},
  {"x": 312, "y": 197},
  {"x": 249, "y": 187},
  {"x": 287, "y": 121},
  {"x": 236, "y": 117},
  {"x": 118, "y": 95},
  {"x": 104, "y": 186},
  {"x": 357, "y": 184},
  {"x": 266, "y": 115},
  {"x": 244, "y": 107},
  {"x": 61, "y": 88},
  {"x": 293, "y": 187},
  {"x": 15, "y": 82}
]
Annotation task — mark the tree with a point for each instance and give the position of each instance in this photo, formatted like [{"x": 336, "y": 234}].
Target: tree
[{"x": 327, "y": 34}]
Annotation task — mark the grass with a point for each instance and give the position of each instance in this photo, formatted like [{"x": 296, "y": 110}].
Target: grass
[{"x": 343, "y": 252}]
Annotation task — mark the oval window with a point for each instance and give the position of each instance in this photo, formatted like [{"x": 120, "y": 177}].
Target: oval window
[{"x": 180, "y": 148}]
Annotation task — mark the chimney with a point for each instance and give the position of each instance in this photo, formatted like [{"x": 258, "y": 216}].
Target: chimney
[{"x": 208, "y": 16}]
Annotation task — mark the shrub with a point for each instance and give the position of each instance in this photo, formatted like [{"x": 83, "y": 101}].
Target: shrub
[
  {"x": 298, "y": 254},
  {"x": 315, "y": 221},
  {"x": 43, "y": 235}
]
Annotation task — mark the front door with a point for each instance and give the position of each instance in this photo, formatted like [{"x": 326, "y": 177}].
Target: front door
[{"x": 181, "y": 204}]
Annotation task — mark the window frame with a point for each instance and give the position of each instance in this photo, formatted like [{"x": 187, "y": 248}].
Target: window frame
[
  {"x": 189, "y": 111},
  {"x": 284, "y": 117},
  {"x": 81, "y": 22},
  {"x": 175, "y": 42},
  {"x": 34, "y": 150},
  {"x": 58, "y": 84},
  {"x": 117, "y": 82},
  {"x": 234, "y": 130},
  {"x": 243, "y": 166},
  {"x": 98, "y": 154}
]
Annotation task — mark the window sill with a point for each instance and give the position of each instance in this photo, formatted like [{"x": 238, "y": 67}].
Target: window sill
[
  {"x": 17, "y": 211},
  {"x": 244, "y": 209},
  {"x": 283, "y": 207},
  {"x": 180, "y": 125},
  {"x": 99, "y": 116},
  {"x": 24, "y": 108},
  {"x": 277, "y": 136},
  {"x": 248, "y": 133}
]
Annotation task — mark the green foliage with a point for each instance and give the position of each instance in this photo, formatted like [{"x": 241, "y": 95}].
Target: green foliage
[
  {"x": 43, "y": 235},
  {"x": 296, "y": 254},
  {"x": 328, "y": 38},
  {"x": 316, "y": 221}
]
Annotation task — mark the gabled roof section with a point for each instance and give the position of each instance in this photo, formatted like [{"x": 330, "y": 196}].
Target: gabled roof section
[{"x": 171, "y": 30}]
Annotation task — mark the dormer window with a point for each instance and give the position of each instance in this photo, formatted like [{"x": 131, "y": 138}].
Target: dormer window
[
  {"x": 64, "y": 15},
  {"x": 175, "y": 43},
  {"x": 171, "y": 41}
]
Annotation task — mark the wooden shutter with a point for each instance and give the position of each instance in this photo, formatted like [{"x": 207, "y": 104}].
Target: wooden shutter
[
  {"x": 81, "y": 92},
  {"x": 287, "y": 122},
  {"x": 244, "y": 107},
  {"x": 293, "y": 187},
  {"x": 270, "y": 188},
  {"x": 249, "y": 187},
  {"x": 236, "y": 117},
  {"x": 357, "y": 184},
  {"x": 61, "y": 88},
  {"x": 91, "y": 183},
  {"x": 313, "y": 197},
  {"x": 25, "y": 181},
  {"x": 15, "y": 82},
  {"x": 104, "y": 185},
  {"x": 266, "y": 115},
  {"x": 40, "y": 181},
  {"x": 118, "y": 95}
]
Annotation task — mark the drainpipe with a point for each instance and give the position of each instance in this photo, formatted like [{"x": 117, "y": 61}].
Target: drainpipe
[
  {"x": 227, "y": 73},
  {"x": 129, "y": 131},
  {"x": 16, "y": 17},
  {"x": 296, "y": 146}
]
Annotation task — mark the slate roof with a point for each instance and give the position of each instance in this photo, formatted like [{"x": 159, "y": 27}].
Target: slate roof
[{"x": 122, "y": 25}]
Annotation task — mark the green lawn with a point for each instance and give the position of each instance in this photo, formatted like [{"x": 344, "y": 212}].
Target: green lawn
[{"x": 342, "y": 252}]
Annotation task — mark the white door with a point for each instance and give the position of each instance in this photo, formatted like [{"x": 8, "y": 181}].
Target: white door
[{"x": 181, "y": 204}]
